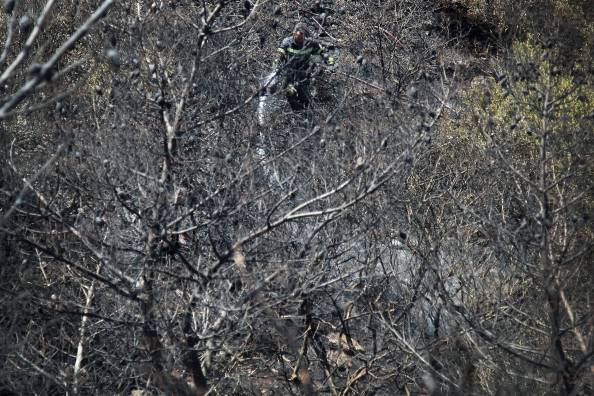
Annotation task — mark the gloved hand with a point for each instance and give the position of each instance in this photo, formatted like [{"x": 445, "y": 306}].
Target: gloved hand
[
  {"x": 330, "y": 61},
  {"x": 291, "y": 90}
]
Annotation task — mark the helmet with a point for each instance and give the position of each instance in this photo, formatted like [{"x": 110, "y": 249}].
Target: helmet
[{"x": 301, "y": 27}]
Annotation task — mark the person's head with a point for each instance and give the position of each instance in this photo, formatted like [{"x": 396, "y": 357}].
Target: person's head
[{"x": 299, "y": 33}]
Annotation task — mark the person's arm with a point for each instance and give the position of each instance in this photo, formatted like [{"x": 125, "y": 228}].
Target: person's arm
[
  {"x": 323, "y": 52},
  {"x": 282, "y": 52}
]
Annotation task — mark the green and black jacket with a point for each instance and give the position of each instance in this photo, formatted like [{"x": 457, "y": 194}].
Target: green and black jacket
[{"x": 295, "y": 58}]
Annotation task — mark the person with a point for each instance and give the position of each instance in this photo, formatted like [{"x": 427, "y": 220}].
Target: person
[{"x": 295, "y": 52}]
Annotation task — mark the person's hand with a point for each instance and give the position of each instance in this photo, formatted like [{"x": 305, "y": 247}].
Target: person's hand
[
  {"x": 330, "y": 61},
  {"x": 291, "y": 90}
]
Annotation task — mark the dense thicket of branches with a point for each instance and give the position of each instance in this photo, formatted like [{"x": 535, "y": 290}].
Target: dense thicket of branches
[{"x": 425, "y": 227}]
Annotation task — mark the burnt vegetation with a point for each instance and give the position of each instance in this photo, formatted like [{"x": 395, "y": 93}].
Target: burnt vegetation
[{"x": 425, "y": 226}]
